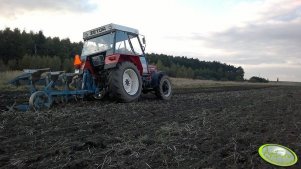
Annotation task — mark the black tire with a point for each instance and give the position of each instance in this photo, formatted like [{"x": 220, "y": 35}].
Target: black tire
[
  {"x": 164, "y": 90},
  {"x": 125, "y": 82},
  {"x": 100, "y": 95}
]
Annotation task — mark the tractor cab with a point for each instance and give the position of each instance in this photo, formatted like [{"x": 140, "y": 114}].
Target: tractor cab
[{"x": 107, "y": 45}]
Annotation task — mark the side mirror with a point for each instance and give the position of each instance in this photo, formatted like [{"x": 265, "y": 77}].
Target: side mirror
[{"x": 143, "y": 40}]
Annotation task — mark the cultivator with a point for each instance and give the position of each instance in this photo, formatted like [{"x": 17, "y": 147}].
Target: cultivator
[
  {"x": 112, "y": 63},
  {"x": 47, "y": 87}
]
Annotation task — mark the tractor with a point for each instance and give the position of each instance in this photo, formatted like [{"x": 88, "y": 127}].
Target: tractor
[
  {"x": 112, "y": 64},
  {"x": 114, "y": 55}
]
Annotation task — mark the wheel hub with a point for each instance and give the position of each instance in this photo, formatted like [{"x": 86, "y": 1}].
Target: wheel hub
[
  {"x": 130, "y": 81},
  {"x": 127, "y": 82}
]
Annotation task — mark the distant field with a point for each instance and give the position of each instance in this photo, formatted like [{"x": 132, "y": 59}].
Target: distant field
[
  {"x": 193, "y": 83},
  {"x": 177, "y": 82},
  {"x": 6, "y": 77}
]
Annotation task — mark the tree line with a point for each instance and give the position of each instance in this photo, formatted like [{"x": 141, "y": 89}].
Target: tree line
[
  {"x": 177, "y": 66},
  {"x": 20, "y": 50}
]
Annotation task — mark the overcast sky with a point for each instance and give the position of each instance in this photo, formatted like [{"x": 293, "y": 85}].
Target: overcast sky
[{"x": 262, "y": 36}]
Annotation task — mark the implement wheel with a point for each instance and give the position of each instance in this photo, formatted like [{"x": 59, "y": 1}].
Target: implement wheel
[{"x": 39, "y": 100}]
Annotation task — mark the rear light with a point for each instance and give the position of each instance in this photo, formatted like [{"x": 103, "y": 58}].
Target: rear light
[{"x": 112, "y": 59}]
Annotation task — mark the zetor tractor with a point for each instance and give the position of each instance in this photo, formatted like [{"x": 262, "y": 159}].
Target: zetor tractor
[{"x": 114, "y": 57}]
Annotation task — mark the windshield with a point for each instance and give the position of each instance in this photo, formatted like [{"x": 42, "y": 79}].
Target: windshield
[
  {"x": 98, "y": 44},
  {"x": 127, "y": 43}
]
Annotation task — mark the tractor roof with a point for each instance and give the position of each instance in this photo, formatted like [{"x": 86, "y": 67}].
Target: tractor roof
[{"x": 106, "y": 29}]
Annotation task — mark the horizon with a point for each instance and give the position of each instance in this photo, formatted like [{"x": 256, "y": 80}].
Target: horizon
[{"x": 261, "y": 36}]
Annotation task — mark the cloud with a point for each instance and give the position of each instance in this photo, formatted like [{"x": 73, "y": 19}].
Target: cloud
[
  {"x": 266, "y": 42},
  {"x": 12, "y": 8},
  {"x": 272, "y": 39},
  {"x": 280, "y": 9},
  {"x": 263, "y": 37}
]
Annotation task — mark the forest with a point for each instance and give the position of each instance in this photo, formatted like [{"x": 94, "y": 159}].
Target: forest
[
  {"x": 21, "y": 49},
  {"x": 177, "y": 66}
]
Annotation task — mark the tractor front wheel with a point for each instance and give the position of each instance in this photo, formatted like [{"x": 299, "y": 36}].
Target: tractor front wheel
[
  {"x": 125, "y": 82},
  {"x": 164, "y": 90}
]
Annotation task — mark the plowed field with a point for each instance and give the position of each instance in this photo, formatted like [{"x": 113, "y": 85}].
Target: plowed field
[{"x": 219, "y": 127}]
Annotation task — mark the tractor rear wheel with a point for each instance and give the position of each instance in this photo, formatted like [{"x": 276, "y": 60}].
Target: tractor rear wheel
[
  {"x": 164, "y": 90},
  {"x": 125, "y": 82}
]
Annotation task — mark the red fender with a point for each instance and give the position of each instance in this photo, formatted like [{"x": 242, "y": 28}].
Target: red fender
[{"x": 112, "y": 60}]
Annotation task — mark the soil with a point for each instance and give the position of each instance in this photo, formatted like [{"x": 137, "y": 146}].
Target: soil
[{"x": 198, "y": 128}]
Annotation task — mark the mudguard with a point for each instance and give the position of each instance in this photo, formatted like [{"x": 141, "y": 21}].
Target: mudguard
[{"x": 112, "y": 61}]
